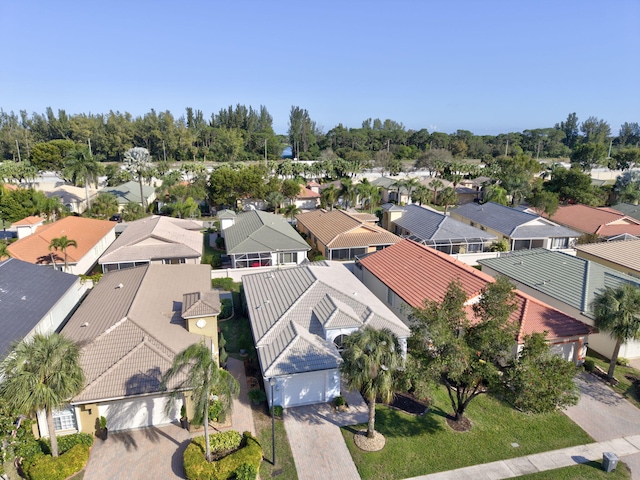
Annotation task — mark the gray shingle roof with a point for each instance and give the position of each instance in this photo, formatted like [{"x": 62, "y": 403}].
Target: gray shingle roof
[
  {"x": 27, "y": 293},
  {"x": 512, "y": 222},
  {"x": 569, "y": 279},
  {"x": 201, "y": 304},
  {"x": 128, "y": 192},
  {"x": 257, "y": 231},
  {"x": 629, "y": 209},
  {"x": 426, "y": 224},
  {"x": 290, "y": 309},
  {"x": 130, "y": 328}
]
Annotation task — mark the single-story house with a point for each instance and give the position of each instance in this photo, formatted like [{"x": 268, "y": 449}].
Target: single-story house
[
  {"x": 434, "y": 229},
  {"x": 523, "y": 230},
  {"x": 27, "y": 226},
  {"x": 92, "y": 236},
  {"x": 339, "y": 235},
  {"x": 34, "y": 300},
  {"x": 260, "y": 239},
  {"x": 622, "y": 255},
  {"x": 156, "y": 239},
  {"x": 130, "y": 192},
  {"x": 129, "y": 329},
  {"x": 566, "y": 282},
  {"x": 299, "y": 320},
  {"x": 406, "y": 274},
  {"x": 604, "y": 222},
  {"x": 392, "y": 194},
  {"x": 72, "y": 197}
]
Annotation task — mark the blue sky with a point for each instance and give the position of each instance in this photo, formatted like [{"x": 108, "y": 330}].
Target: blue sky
[{"x": 485, "y": 66}]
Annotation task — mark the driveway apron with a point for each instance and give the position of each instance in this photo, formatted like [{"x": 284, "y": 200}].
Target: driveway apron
[{"x": 317, "y": 444}]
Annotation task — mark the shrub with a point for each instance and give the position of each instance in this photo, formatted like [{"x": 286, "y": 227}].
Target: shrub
[
  {"x": 45, "y": 467},
  {"x": 589, "y": 364},
  {"x": 257, "y": 396},
  {"x": 339, "y": 401},
  {"x": 225, "y": 283},
  {"x": 277, "y": 411},
  {"x": 216, "y": 411},
  {"x": 227, "y": 309},
  {"x": 28, "y": 449},
  {"x": 246, "y": 471},
  {"x": 623, "y": 362},
  {"x": 196, "y": 466},
  {"x": 67, "y": 442},
  {"x": 220, "y": 243}
]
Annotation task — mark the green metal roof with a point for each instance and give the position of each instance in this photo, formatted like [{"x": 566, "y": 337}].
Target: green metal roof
[
  {"x": 257, "y": 231},
  {"x": 567, "y": 278}
]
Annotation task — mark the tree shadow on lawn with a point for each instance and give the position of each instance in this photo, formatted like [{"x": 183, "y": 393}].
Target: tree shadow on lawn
[{"x": 392, "y": 423}]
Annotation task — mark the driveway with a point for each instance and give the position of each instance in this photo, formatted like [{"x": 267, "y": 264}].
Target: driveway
[
  {"x": 605, "y": 415},
  {"x": 318, "y": 447},
  {"x": 152, "y": 452}
]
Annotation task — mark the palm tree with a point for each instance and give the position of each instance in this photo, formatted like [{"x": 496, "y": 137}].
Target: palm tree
[
  {"x": 104, "y": 206},
  {"x": 132, "y": 211},
  {"x": 51, "y": 206},
  {"x": 371, "y": 358},
  {"x": 328, "y": 197},
  {"x": 436, "y": 185},
  {"x": 81, "y": 166},
  {"x": 275, "y": 200},
  {"x": 62, "y": 243},
  {"x": 411, "y": 183},
  {"x": 448, "y": 196},
  {"x": 348, "y": 191},
  {"x": 495, "y": 193},
  {"x": 138, "y": 163},
  {"x": 617, "y": 310},
  {"x": 42, "y": 372},
  {"x": 291, "y": 211},
  {"x": 420, "y": 195},
  {"x": 203, "y": 379},
  {"x": 4, "y": 250}
]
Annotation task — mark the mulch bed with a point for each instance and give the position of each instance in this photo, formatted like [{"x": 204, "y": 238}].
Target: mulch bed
[
  {"x": 409, "y": 404},
  {"x": 462, "y": 425}
]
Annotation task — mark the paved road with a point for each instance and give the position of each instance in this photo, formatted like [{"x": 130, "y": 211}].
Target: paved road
[{"x": 318, "y": 447}]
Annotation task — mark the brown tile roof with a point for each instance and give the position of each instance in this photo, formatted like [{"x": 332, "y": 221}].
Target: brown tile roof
[
  {"x": 307, "y": 193},
  {"x": 28, "y": 221},
  {"x": 130, "y": 328},
  {"x": 417, "y": 273},
  {"x": 602, "y": 221},
  {"x": 338, "y": 229},
  {"x": 625, "y": 253},
  {"x": 87, "y": 232}
]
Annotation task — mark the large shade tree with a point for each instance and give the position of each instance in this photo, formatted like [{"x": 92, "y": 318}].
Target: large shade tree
[
  {"x": 196, "y": 372},
  {"x": 617, "y": 311},
  {"x": 42, "y": 373},
  {"x": 371, "y": 358}
]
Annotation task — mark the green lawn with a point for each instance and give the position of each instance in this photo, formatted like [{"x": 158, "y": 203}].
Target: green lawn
[
  {"x": 587, "y": 471},
  {"x": 285, "y": 467},
  {"x": 625, "y": 386},
  {"x": 421, "y": 445}
]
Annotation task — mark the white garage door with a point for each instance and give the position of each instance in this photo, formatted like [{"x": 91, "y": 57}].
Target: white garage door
[
  {"x": 140, "y": 412},
  {"x": 304, "y": 388}
]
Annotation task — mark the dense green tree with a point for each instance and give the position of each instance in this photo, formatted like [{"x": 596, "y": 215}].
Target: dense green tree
[
  {"x": 572, "y": 186},
  {"x": 570, "y": 129},
  {"x": 617, "y": 311},
  {"x": 434, "y": 160},
  {"x": 42, "y": 373},
  {"x": 290, "y": 189},
  {"x": 595, "y": 130},
  {"x": 588, "y": 155},
  {"x": 466, "y": 356},
  {"x": 627, "y": 187},
  {"x": 51, "y": 155},
  {"x": 496, "y": 194},
  {"x": 539, "y": 380},
  {"x": 196, "y": 370},
  {"x": 629, "y": 134},
  {"x": 626, "y": 159},
  {"x": 371, "y": 359},
  {"x": 545, "y": 201}
]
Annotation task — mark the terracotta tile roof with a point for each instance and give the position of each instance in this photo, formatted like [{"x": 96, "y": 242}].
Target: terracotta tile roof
[
  {"x": 417, "y": 273},
  {"x": 28, "y": 221},
  {"x": 87, "y": 232},
  {"x": 602, "y": 221},
  {"x": 306, "y": 193},
  {"x": 338, "y": 229}
]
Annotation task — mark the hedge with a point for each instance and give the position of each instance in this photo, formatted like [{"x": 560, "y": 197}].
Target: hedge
[
  {"x": 196, "y": 466},
  {"x": 66, "y": 442},
  {"x": 46, "y": 467}
]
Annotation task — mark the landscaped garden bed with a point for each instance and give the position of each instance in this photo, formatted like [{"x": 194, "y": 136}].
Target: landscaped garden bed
[{"x": 418, "y": 445}]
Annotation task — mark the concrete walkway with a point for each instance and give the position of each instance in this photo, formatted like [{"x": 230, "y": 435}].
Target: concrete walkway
[
  {"x": 241, "y": 415},
  {"x": 539, "y": 462},
  {"x": 318, "y": 447}
]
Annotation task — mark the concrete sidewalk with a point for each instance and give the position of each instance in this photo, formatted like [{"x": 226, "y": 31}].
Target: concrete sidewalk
[{"x": 540, "y": 462}]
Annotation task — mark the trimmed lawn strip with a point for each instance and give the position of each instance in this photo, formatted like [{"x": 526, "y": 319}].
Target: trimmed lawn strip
[
  {"x": 285, "y": 467},
  {"x": 586, "y": 471},
  {"x": 422, "y": 445},
  {"x": 625, "y": 386},
  {"x": 233, "y": 329}
]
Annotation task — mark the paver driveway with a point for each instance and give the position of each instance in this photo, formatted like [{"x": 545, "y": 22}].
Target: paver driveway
[{"x": 153, "y": 452}]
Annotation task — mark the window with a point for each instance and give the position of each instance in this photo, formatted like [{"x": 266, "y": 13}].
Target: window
[
  {"x": 64, "y": 419},
  {"x": 173, "y": 261},
  {"x": 288, "y": 257},
  {"x": 339, "y": 342},
  {"x": 390, "y": 296},
  {"x": 559, "y": 243}
]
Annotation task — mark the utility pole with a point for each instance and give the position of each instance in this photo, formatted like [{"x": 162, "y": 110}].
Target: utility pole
[
  {"x": 388, "y": 141},
  {"x": 265, "y": 150},
  {"x": 538, "y": 154},
  {"x": 610, "y": 144},
  {"x": 506, "y": 149},
  {"x": 18, "y": 147},
  {"x": 89, "y": 143},
  {"x": 164, "y": 150}
]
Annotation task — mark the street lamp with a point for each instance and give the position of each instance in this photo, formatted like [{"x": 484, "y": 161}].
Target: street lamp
[{"x": 272, "y": 382}]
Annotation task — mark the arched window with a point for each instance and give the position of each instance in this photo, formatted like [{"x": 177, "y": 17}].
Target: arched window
[{"x": 338, "y": 342}]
